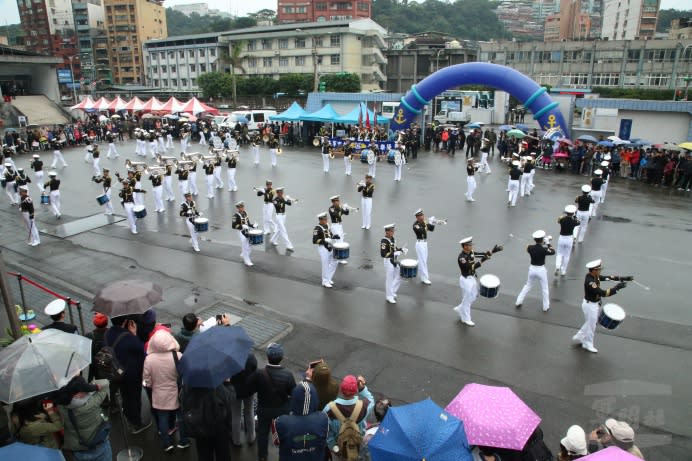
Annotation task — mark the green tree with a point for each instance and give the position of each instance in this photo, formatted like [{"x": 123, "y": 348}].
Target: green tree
[
  {"x": 292, "y": 84},
  {"x": 342, "y": 82},
  {"x": 215, "y": 84},
  {"x": 666, "y": 16},
  {"x": 234, "y": 61}
]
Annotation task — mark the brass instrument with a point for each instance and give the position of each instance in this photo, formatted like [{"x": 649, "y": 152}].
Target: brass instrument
[
  {"x": 208, "y": 158},
  {"x": 155, "y": 170},
  {"x": 186, "y": 164},
  {"x": 137, "y": 166},
  {"x": 234, "y": 154},
  {"x": 265, "y": 138},
  {"x": 316, "y": 141},
  {"x": 291, "y": 199},
  {"x": 437, "y": 221},
  {"x": 279, "y": 151},
  {"x": 163, "y": 160},
  {"x": 221, "y": 155},
  {"x": 193, "y": 157},
  {"x": 330, "y": 151},
  {"x": 351, "y": 208}
]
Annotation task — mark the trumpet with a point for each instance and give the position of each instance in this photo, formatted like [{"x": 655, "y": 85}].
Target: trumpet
[
  {"x": 208, "y": 158},
  {"x": 185, "y": 164},
  {"x": 155, "y": 170},
  {"x": 330, "y": 151},
  {"x": 351, "y": 208},
  {"x": 435, "y": 221},
  {"x": 166, "y": 160},
  {"x": 265, "y": 138},
  {"x": 194, "y": 157},
  {"x": 137, "y": 166},
  {"x": 222, "y": 155},
  {"x": 291, "y": 199},
  {"x": 279, "y": 151}
]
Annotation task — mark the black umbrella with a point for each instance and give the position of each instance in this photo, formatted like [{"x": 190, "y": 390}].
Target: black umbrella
[{"x": 127, "y": 297}]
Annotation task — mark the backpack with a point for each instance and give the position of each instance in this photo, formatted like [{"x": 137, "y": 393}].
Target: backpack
[
  {"x": 349, "y": 439},
  {"x": 106, "y": 364},
  {"x": 203, "y": 411}
]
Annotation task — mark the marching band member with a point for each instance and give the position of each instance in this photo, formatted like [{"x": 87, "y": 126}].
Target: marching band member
[
  {"x": 322, "y": 237},
  {"x": 135, "y": 178},
  {"x": 485, "y": 148},
  {"x": 183, "y": 182},
  {"x": 399, "y": 162},
  {"x": 96, "y": 160},
  {"x": 592, "y": 300},
  {"x": 471, "y": 169},
  {"x": 162, "y": 144},
  {"x": 157, "y": 186},
  {"x": 273, "y": 148},
  {"x": 26, "y": 205},
  {"x": 372, "y": 160},
  {"x": 468, "y": 263},
  {"x": 202, "y": 138},
  {"x": 218, "y": 182},
  {"x": 106, "y": 180},
  {"x": 325, "y": 154},
  {"x": 209, "y": 175},
  {"x": 421, "y": 228},
  {"x": 533, "y": 172},
  {"x": 168, "y": 183},
  {"x": 169, "y": 137},
  {"x": 140, "y": 148},
  {"x": 525, "y": 182},
  {"x": 268, "y": 208},
  {"x": 537, "y": 253},
  {"x": 127, "y": 200},
  {"x": 596, "y": 186},
  {"x": 192, "y": 179},
  {"x": 514, "y": 177},
  {"x": 88, "y": 151},
  {"x": 153, "y": 145},
  {"x": 37, "y": 165},
  {"x": 232, "y": 162},
  {"x": 53, "y": 185},
  {"x": 366, "y": 188},
  {"x": 57, "y": 155},
  {"x": 188, "y": 210},
  {"x": 184, "y": 138},
  {"x": 584, "y": 202},
  {"x": 241, "y": 223},
  {"x": 280, "y": 203},
  {"x": 605, "y": 176},
  {"x": 22, "y": 179},
  {"x": 567, "y": 224},
  {"x": 110, "y": 139},
  {"x": 336, "y": 212},
  {"x": 348, "y": 152},
  {"x": 389, "y": 253},
  {"x": 255, "y": 146}
]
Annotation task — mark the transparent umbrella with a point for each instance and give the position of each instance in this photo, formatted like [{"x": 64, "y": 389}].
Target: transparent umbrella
[{"x": 40, "y": 363}]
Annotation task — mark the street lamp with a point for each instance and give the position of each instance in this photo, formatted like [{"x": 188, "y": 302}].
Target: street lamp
[
  {"x": 74, "y": 90},
  {"x": 315, "y": 80}
]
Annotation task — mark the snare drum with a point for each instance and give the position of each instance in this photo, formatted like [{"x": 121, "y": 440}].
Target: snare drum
[
  {"x": 611, "y": 316},
  {"x": 408, "y": 268},
  {"x": 363, "y": 157},
  {"x": 490, "y": 286},
  {"x": 390, "y": 156},
  {"x": 45, "y": 199},
  {"x": 102, "y": 199},
  {"x": 201, "y": 224},
  {"x": 140, "y": 211},
  {"x": 255, "y": 236},
  {"x": 341, "y": 250}
]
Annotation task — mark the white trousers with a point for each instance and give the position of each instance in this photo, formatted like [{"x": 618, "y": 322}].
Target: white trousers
[
  {"x": 210, "y": 185},
  {"x": 347, "y": 166},
  {"x": 58, "y": 157},
  {"x": 38, "y": 177},
  {"x": 138, "y": 147},
  {"x": 329, "y": 264},
  {"x": 55, "y": 201},
  {"x": 245, "y": 248},
  {"x": 168, "y": 187},
  {"x": 563, "y": 253},
  {"x": 162, "y": 145},
  {"x": 9, "y": 190},
  {"x": 96, "y": 164},
  {"x": 513, "y": 191},
  {"x": 108, "y": 207},
  {"x": 470, "y": 187},
  {"x": 604, "y": 189},
  {"x": 255, "y": 153},
  {"x": 392, "y": 279},
  {"x": 540, "y": 274},
  {"x": 325, "y": 163},
  {"x": 138, "y": 197},
  {"x": 218, "y": 183},
  {"x": 525, "y": 184},
  {"x": 272, "y": 155},
  {"x": 33, "y": 237},
  {"x": 202, "y": 139},
  {"x": 469, "y": 293},
  {"x": 192, "y": 183},
  {"x": 580, "y": 230},
  {"x": 596, "y": 196},
  {"x": 169, "y": 141},
  {"x": 588, "y": 330},
  {"x": 281, "y": 232},
  {"x": 531, "y": 184},
  {"x": 397, "y": 172},
  {"x": 112, "y": 150},
  {"x": 372, "y": 169},
  {"x": 193, "y": 233},
  {"x": 485, "y": 167},
  {"x": 158, "y": 198},
  {"x": 153, "y": 148},
  {"x": 129, "y": 210},
  {"x": 232, "y": 186},
  {"x": 366, "y": 209},
  {"x": 268, "y": 222},
  {"x": 183, "y": 144},
  {"x": 338, "y": 229},
  {"x": 422, "y": 253},
  {"x": 184, "y": 187}
]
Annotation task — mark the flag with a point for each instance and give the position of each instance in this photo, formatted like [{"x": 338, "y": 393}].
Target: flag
[
  {"x": 360, "y": 116},
  {"x": 367, "y": 118}
]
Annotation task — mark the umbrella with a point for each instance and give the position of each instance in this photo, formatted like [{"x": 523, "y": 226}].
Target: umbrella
[
  {"x": 505, "y": 127},
  {"x": 516, "y": 133},
  {"x": 473, "y": 125},
  {"x": 611, "y": 453},
  {"x": 103, "y": 118},
  {"x": 214, "y": 356},
  {"x": 605, "y": 143},
  {"x": 127, "y": 297},
  {"x": 115, "y": 116},
  {"x": 669, "y": 146},
  {"x": 40, "y": 363},
  {"x": 587, "y": 138},
  {"x": 522, "y": 127},
  {"x": 565, "y": 141},
  {"x": 420, "y": 430},
  {"x": 686, "y": 145},
  {"x": 494, "y": 416},
  {"x": 20, "y": 450}
]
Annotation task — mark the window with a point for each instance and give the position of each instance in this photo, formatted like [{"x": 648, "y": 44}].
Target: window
[
  {"x": 283, "y": 61},
  {"x": 266, "y": 62},
  {"x": 252, "y": 62},
  {"x": 163, "y": 55},
  {"x": 288, "y": 9},
  {"x": 183, "y": 82},
  {"x": 300, "y": 43},
  {"x": 154, "y": 69},
  {"x": 193, "y": 68},
  {"x": 300, "y": 60},
  {"x": 335, "y": 40},
  {"x": 266, "y": 44},
  {"x": 320, "y": 6},
  {"x": 335, "y": 59},
  {"x": 212, "y": 67},
  {"x": 174, "y": 82},
  {"x": 201, "y": 53},
  {"x": 212, "y": 52},
  {"x": 194, "y": 81},
  {"x": 164, "y": 69},
  {"x": 283, "y": 43},
  {"x": 251, "y": 45},
  {"x": 362, "y": 6},
  {"x": 317, "y": 41},
  {"x": 171, "y": 55},
  {"x": 202, "y": 67},
  {"x": 173, "y": 69},
  {"x": 191, "y": 53}
]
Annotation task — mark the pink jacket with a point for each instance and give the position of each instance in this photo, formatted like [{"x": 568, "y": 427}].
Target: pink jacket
[{"x": 159, "y": 371}]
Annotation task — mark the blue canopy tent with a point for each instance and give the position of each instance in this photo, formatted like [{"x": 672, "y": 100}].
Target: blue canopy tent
[
  {"x": 292, "y": 114},
  {"x": 361, "y": 110},
  {"x": 325, "y": 114}
]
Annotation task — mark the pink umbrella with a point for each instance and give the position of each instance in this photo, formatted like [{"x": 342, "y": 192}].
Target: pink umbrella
[
  {"x": 610, "y": 454},
  {"x": 494, "y": 416},
  {"x": 172, "y": 106},
  {"x": 135, "y": 104},
  {"x": 565, "y": 141},
  {"x": 84, "y": 104},
  {"x": 152, "y": 105},
  {"x": 117, "y": 104},
  {"x": 195, "y": 106}
]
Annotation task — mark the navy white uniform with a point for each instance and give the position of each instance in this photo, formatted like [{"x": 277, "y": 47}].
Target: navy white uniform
[
  {"x": 366, "y": 191},
  {"x": 322, "y": 237},
  {"x": 37, "y": 165},
  {"x": 268, "y": 222},
  {"x": 188, "y": 211},
  {"x": 584, "y": 202},
  {"x": 280, "y": 203},
  {"x": 567, "y": 224},
  {"x": 471, "y": 169},
  {"x": 232, "y": 163},
  {"x": 390, "y": 253},
  {"x": 421, "y": 229},
  {"x": 241, "y": 223},
  {"x": 26, "y": 205},
  {"x": 537, "y": 271}
]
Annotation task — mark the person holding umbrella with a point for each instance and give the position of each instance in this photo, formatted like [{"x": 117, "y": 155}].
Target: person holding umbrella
[{"x": 36, "y": 422}]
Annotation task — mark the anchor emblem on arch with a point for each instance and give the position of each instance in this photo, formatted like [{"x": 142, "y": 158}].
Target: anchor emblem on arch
[{"x": 400, "y": 118}]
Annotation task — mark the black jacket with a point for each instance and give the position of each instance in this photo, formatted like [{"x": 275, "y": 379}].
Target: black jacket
[
  {"x": 240, "y": 380},
  {"x": 273, "y": 385}
]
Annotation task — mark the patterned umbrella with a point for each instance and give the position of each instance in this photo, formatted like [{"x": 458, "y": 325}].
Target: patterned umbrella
[
  {"x": 494, "y": 416},
  {"x": 610, "y": 454},
  {"x": 127, "y": 297}
]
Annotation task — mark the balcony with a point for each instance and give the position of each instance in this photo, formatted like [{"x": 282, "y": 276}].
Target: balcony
[{"x": 376, "y": 53}]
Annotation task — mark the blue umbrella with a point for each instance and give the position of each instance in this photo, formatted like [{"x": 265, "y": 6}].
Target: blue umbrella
[
  {"x": 587, "y": 138},
  {"x": 640, "y": 142},
  {"x": 606, "y": 143},
  {"x": 214, "y": 356},
  {"x": 19, "y": 450},
  {"x": 505, "y": 127},
  {"x": 522, "y": 127},
  {"x": 417, "y": 431},
  {"x": 472, "y": 125}
]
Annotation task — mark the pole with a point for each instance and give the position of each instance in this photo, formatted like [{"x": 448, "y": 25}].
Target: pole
[
  {"x": 81, "y": 317},
  {"x": 69, "y": 309},
  {"x": 21, "y": 293},
  {"x": 315, "y": 81},
  {"x": 687, "y": 86},
  {"x": 74, "y": 90},
  {"x": 15, "y": 329}
]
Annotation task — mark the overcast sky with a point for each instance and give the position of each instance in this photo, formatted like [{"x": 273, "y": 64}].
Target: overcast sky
[{"x": 10, "y": 15}]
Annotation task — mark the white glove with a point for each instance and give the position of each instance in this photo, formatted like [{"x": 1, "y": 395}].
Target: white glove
[
  {"x": 245, "y": 227},
  {"x": 329, "y": 241},
  {"x": 397, "y": 253},
  {"x": 432, "y": 220},
  {"x": 404, "y": 251}
]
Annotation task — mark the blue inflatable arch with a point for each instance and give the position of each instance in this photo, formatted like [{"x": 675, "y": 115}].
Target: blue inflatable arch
[{"x": 532, "y": 96}]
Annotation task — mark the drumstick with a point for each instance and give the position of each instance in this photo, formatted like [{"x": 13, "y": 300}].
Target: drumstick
[{"x": 641, "y": 285}]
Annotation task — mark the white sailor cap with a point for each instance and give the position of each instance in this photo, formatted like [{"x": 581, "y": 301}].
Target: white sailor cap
[
  {"x": 539, "y": 234},
  {"x": 466, "y": 240},
  {"x": 20, "y": 169},
  {"x": 604, "y": 163},
  {"x": 24, "y": 188},
  {"x": 36, "y": 156},
  {"x": 334, "y": 197},
  {"x": 55, "y": 307},
  {"x": 598, "y": 172},
  {"x": 389, "y": 226},
  {"x": 515, "y": 162},
  {"x": 53, "y": 173},
  {"x": 239, "y": 204},
  {"x": 8, "y": 163},
  {"x": 606, "y": 157},
  {"x": 419, "y": 212},
  {"x": 571, "y": 209},
  {"x": 279, "y": 189},
  {"x": 515, "y": 154},
  {"x": 322, "y": 215},
  {"x": 586, "y": 188},
  {"x": 533, "y": 154},
  {"x": 595, "y": 264},
  {"x": 268, "y": 181}
]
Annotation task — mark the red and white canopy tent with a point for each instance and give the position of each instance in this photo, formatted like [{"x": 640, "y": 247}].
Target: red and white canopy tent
[
  {"x": 117, "y": 104},
  {"x": 152, "y": 105},
  {"x": 84, "y": 104},
  {"x": 195, "y": 106},
  {"x": 101, "y": 104},
  {"x": 134, "y": 105},
  {"x": 172, "y": 106}
]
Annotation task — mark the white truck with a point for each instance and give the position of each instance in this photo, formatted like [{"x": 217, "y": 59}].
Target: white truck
[{"x": 445, "y": 116}]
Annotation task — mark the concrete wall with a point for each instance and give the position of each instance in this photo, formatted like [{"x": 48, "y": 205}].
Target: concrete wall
[
  {"x": 657, "y": 127},
  {"x": 44, "y": 79}
]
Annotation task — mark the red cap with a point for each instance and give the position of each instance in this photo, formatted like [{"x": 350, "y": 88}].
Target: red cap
[
  {"x": 349, "y": 386},
  {"x": 100, "y": 320}
]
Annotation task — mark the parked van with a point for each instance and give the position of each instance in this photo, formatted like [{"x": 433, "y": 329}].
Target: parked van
[{"x": 256, "y": 119}]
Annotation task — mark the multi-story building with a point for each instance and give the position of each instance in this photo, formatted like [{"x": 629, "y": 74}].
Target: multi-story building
[
  {"x": 655, "y": 64},
  {"x": 519, "y": 18},
  {"x": 629, "y": 20},
  {"x": 129, "y": 23},
  {"x": 89, "y": 19},
  {"x": 322, "y": 10},
  {"x": 316, "y": 48},
  {"x": 680, "y": 28},
  {"x": 46, "y": 24},
  {"x": 573, "y": 22}
]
